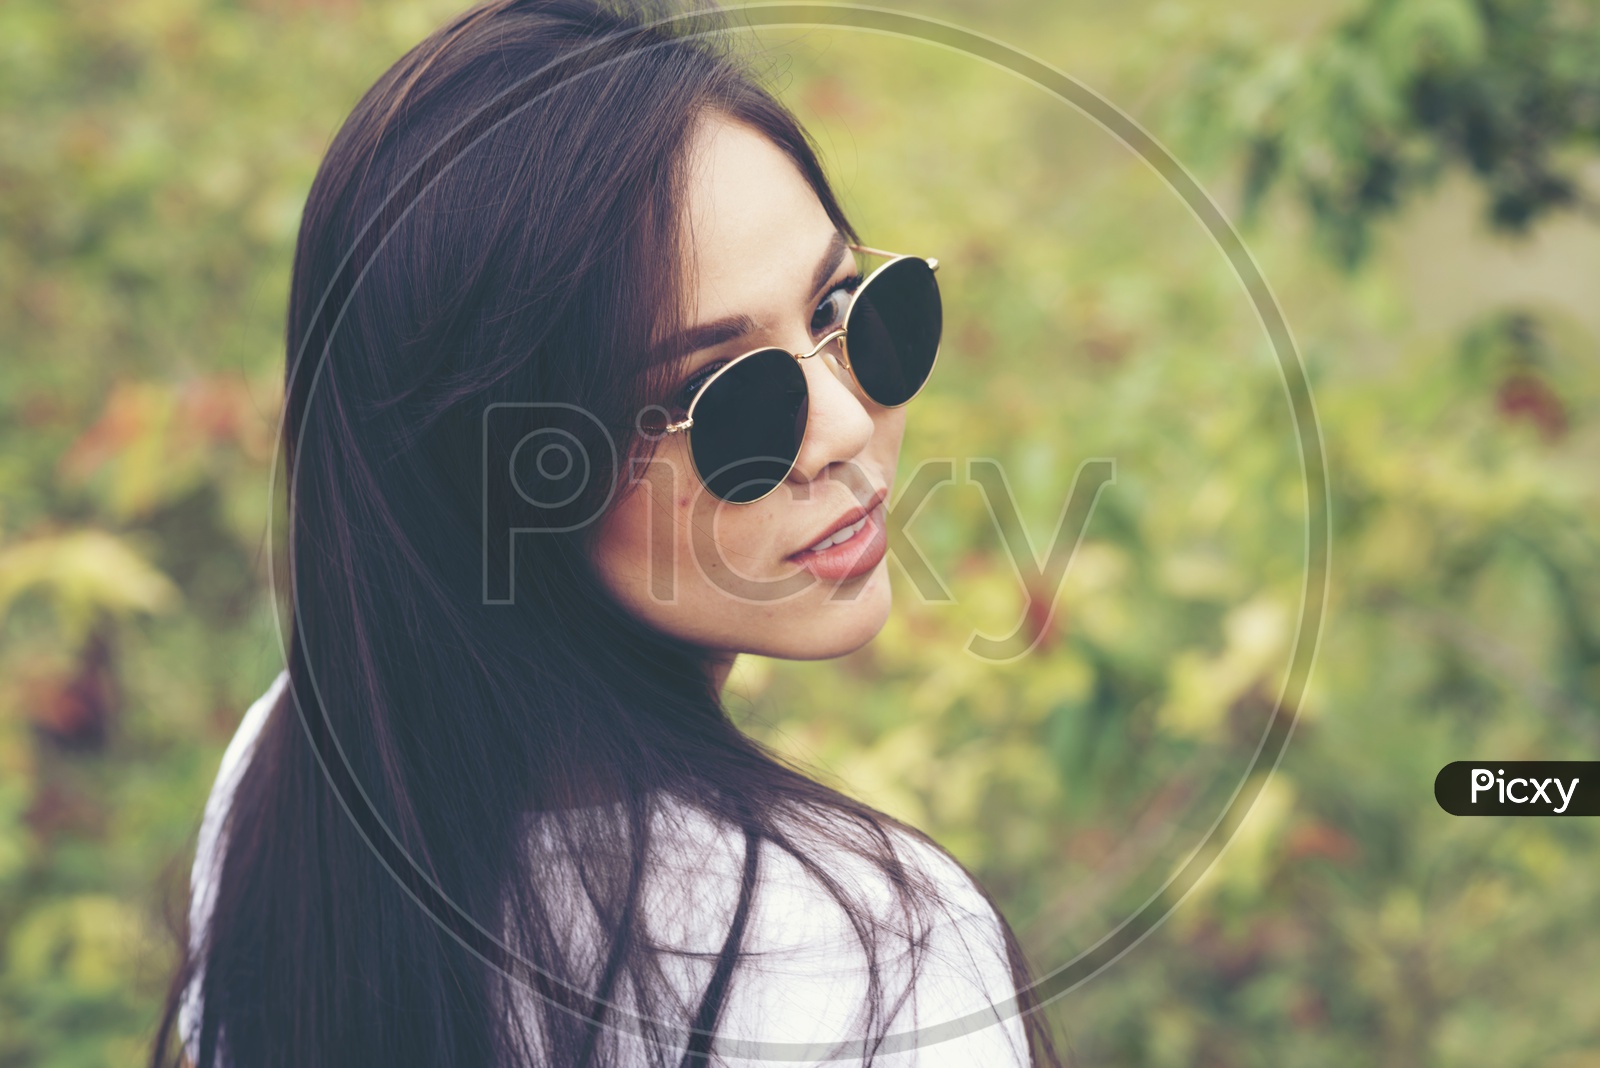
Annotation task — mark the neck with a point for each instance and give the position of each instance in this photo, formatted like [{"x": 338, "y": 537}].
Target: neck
[{"x": 721, "y": 665}]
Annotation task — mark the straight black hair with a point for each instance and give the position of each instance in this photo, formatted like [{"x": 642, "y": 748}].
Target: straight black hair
[{"x": 494, "y": 235}]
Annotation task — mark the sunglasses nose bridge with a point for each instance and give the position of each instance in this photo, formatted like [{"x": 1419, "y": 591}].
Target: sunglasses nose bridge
[
  {"x": 842, "y": 357},
  {"x": 830, "y": 338}
]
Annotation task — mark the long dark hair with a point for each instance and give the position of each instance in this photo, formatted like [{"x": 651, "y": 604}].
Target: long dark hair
[{"x": 491, "y": 250}]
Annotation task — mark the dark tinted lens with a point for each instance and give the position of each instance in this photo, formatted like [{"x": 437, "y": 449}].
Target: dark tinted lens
[
  {"x": 892, "y": 334},
  {"x": 748, "y": 425}
]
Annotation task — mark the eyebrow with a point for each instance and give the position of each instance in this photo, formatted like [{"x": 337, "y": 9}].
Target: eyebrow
[{"x": 729, "y": 328}]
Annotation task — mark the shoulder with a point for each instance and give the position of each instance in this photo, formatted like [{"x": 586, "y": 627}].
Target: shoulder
[{"x": 825, "y": 916}]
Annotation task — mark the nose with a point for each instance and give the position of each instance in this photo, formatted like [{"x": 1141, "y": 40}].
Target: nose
[{"x": 839, "y": 424}]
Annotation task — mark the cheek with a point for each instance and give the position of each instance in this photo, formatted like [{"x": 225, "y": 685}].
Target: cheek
[
  {"x": 636, "y": 531},
  {"x": 889, "y": 428},
  {"x": 667, "y": 544}
]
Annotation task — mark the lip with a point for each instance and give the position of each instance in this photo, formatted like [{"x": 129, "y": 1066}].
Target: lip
[
  {"x": 856, "y": 557},
  {"x": 854, "y": 515}
]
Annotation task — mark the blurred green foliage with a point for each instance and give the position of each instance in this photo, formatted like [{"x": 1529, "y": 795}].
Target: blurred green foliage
[
  {"x": 158, "y": 152},
  {"x": 1359, "y": 118}
]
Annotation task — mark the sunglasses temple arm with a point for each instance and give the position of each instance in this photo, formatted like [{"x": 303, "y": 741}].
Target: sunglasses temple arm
[{"x": 933, "y": 264}]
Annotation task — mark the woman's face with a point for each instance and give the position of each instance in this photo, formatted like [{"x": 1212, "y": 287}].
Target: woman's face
[{"x": 763, "y": 261}]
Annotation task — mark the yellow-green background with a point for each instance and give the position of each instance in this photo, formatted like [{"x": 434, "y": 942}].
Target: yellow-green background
[{"x": 156, "y": 154}]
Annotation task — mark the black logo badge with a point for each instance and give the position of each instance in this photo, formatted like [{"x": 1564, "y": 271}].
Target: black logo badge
[{"x": 1519, "y": 788}]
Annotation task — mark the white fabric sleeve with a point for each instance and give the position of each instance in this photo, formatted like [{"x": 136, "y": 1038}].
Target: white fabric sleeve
[
  {"x": 963, "y": 1006},
  {"x": 805, "y": 982},
  {"x": 208, "y": 851}
]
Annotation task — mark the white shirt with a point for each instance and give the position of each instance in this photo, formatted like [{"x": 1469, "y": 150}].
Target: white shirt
[{"x": 811, "y": 979}]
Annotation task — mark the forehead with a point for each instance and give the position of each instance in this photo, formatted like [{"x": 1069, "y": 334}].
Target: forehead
[{"x": 754, "y": 229}]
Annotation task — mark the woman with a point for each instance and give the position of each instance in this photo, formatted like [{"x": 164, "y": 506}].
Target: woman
[{"x": 590, "y": 389}]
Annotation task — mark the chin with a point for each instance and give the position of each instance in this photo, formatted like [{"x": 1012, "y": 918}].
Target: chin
[{"x": 834, "y": 628}]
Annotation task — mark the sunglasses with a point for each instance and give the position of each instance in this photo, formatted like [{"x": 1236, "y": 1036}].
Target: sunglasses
[{"x": 747, "y": 421}]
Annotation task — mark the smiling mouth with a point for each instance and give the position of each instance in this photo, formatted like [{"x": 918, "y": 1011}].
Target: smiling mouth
[
  {"x": 850, "y": 525},
  {"x": 852, "y": 548},
  {"x": 843, "y": 534}
]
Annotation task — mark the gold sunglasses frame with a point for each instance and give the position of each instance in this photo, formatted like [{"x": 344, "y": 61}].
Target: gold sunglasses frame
[{"x": 839, "y": 335}]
